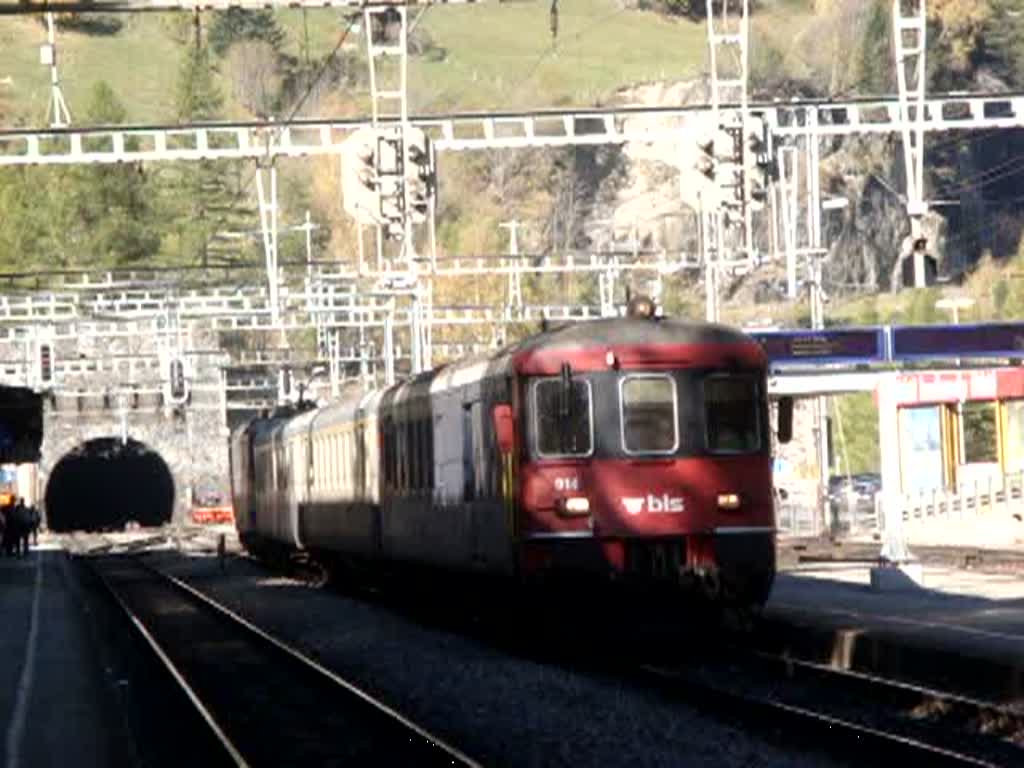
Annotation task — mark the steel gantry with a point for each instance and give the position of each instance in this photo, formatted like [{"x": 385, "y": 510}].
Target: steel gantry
[
  {"x": 910, "y": 26},
  {"x": 911, "y": 115},
  {"x": 511, "y": 130}
]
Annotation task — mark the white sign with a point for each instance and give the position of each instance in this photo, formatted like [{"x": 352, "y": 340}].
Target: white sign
[{"x": 663, "y": 504}]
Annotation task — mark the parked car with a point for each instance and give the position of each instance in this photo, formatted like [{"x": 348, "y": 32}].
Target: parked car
[{"x": 852, "y": 497}]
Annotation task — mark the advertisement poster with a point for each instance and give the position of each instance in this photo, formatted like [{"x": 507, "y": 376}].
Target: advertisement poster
[{"x": 921, "y": 448}]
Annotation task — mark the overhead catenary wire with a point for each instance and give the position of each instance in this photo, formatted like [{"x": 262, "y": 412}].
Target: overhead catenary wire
[{"x": 324, "y": 65}]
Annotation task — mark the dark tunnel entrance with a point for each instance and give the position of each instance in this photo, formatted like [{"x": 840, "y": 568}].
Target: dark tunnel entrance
[{"x": 103, "y": 484}]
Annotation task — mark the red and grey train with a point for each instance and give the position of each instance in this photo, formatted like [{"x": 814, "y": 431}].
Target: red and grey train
[{"x": 630, "y": 449}]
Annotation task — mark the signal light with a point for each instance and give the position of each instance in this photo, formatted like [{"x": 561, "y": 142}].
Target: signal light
[
  {"x": 45, "y": 363},
  {"x": 756, "y": 144},
  {"x": 360, "y": 184},
  {"x": 179, "y": 389},
  {"x": 706, "y": 161},
  {"x": 419, "y": 201},
  {"x": 286, "y": 383},
  {"x": 758, "y": 196},
  {"x": 419, "y": 173},
  {"x": 706, "y": 167}
]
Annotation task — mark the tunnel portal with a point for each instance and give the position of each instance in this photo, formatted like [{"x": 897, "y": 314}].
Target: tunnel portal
[{"x": 104, "y": 483}]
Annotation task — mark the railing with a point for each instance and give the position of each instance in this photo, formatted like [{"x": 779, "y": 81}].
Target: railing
[
  {"x": 797, "y": 514},
  {"x": 989, "y": 495}
]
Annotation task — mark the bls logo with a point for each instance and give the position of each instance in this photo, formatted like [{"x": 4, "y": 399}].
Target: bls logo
[{"x": 654, "y": 504}]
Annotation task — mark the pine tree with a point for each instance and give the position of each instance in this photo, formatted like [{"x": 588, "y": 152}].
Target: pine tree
[
  {"x": 83, "y": 216},
  {"x": 114, "y": 221},
  {"x": 198, "y": 98},
  {"x": 1003, "y": 41},
  {"x": 237, "y": 24},
  {"x": 207, "y": 197}
]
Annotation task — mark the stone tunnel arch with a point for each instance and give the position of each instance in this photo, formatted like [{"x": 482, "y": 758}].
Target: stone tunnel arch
[{"x": 104, "y": 483}]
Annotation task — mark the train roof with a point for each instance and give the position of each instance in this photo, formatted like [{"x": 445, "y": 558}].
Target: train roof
[
  {"x": 618, "y": 331},
  {"x": 636, "y": 342},
  {"x": 614, "y": 332}
]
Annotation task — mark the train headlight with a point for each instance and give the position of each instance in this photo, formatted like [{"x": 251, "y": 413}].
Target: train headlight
[
  {"x": 575, "y": 505},
  {"x": 728, "y": 501}
]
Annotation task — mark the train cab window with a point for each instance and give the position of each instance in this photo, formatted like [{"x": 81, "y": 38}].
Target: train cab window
[
  {"x": 563, "y": 428},
  {"x": 732, "y": 414},
  {"x": 649, "y": 414}
]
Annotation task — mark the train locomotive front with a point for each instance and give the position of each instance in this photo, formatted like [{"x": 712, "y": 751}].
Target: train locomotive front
[{"x": 644, "y": 455}]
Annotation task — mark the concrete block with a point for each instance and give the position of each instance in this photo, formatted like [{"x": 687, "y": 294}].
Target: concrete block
[{"x": 897, "y": 577}]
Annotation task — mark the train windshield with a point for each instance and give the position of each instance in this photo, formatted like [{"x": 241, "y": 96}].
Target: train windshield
[
  {"x": 564, "y": 425},
  {"x": 732, "y": 414},
  {"x": 649, "y": 414}
]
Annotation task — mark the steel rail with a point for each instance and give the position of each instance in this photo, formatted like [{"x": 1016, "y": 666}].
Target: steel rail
[
  {"x": 231, "y": 751},
  {"x": 445, "y": 753},
  {"x": 889, "y": 690},
  {"x": 829, "y": 733},
  {"x": 832, "y": 733}
]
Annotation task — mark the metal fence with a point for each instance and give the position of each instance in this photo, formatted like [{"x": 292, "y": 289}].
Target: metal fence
[
  {"x": 798, "y": 513},
  {"x": 993, "y": 494}
]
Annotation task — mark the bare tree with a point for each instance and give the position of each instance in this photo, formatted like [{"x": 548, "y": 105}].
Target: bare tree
[{"x": 255, "y": 75}]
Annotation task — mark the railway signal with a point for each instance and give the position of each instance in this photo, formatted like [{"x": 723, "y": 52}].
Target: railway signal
[
  {"x": 706, "y": 158},
  {"x": 45, "y": 364},
  {"x": 360, "y": 185},
  {"x": 285, "y": 385},
  {"x": 419, "y": 173},
  {"x": 176, "y": 377},
  {"x": 759, "y": 162},
  {"x": 714, "y": 149}
]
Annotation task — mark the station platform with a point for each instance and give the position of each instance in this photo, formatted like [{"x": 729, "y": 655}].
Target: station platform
[
  {"x": 57, "y": 700},
  {"x": 961, "y": 630}
]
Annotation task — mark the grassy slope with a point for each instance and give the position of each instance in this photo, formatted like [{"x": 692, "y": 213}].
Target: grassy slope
[
  {"x": 140, "y": 63},
  {"x": 497, "y": 56},
  {"x": 502, "y": 56}
]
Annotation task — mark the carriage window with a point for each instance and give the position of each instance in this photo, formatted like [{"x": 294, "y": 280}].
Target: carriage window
[
  {"x": 732, "y": 414},
  {"x": 563, "y": 434},
  {"x": 648, "y": 414}
]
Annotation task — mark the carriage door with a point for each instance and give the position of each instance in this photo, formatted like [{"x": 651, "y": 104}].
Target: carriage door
[
  {"x": 474, "y": 448},
  {"x": 469, "y": 413}
]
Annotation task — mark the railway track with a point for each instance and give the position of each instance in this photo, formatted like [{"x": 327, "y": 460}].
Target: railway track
[
  {"x": 857, "y": 717},
  {"x": 267, "y": 703},
  {"x": 850, "y": 714}
]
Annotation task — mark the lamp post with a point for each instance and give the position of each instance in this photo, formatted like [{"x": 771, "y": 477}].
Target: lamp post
[{"x": 955, "y": 304}]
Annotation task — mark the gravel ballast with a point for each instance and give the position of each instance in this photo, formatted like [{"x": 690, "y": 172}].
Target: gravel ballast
[{"x": 498, "y": 707}]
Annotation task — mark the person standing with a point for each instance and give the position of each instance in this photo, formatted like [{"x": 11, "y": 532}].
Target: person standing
[
  {"x": 35, "y": 519},
  {"x": 22, "y": 527},
  {"x": 7, "y": 513}
]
